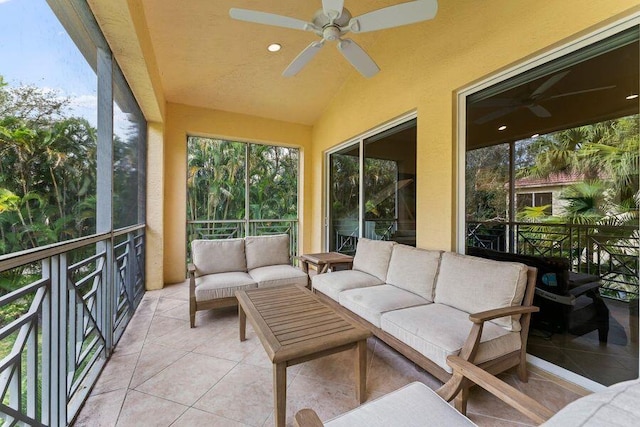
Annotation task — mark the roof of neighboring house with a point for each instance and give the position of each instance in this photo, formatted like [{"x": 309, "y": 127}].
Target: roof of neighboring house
[{"x": 555, "y": 179}]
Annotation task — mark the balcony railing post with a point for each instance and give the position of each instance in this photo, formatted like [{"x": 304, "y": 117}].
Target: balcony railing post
[
  {"x": 47, "y": 350},
  {"x": 130, "y": 274}
]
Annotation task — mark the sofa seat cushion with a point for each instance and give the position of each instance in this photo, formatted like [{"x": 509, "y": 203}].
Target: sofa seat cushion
[
  {"x": 222, "y": 285},
  {"x": 438, "y": 331},
  {"x": 267, "y": 250},
  {"x": 414, "y": 270},
  {"x": 278, "y": 275},
  {"x": 373, "y": 256},
  {"x": 474, "y": 285},
  {"x": 331, "y": 284},
  {"x": 616, "y": 405},
  {"x": 369, "y": 303},
  {"x": 411, "y": 406},
  {"x": 218, "y": 256}
]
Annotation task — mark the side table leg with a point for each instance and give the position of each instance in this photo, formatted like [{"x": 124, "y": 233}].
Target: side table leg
[
  {"x": 361, "y": 370},
  {"x": 242, "y": 317},
  {"x": 280, "y": 393}
]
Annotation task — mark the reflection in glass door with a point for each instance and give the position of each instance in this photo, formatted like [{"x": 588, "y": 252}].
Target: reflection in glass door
[{"x": 344, "y": 199}]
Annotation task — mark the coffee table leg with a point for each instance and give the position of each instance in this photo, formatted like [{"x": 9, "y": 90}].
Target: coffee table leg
[
  {"x": 361, "y": 370},
  {"x": 280, "y": 393},
  {"x": 242, "y": 323}
]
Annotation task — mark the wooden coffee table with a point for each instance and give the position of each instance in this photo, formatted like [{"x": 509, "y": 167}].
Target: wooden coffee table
[
  {"x": 324, "y": 261},
  {"x": 294, "y": 326}
]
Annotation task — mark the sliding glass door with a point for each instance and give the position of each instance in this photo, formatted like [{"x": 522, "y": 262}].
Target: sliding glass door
[{"x": 372, "y": 189}]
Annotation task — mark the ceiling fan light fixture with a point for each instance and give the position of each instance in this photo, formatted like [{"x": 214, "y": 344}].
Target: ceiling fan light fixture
[
  {"x": 535, "y": 135},
  {"x": 632, "y": 96},
  {"x": 274, "y": 47},
  {"x": 503, "y": 127}
]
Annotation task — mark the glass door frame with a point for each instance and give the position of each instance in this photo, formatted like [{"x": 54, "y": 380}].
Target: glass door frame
[
  {"x": 547, "y": 56},
  {"x": 359, "y": 141}
]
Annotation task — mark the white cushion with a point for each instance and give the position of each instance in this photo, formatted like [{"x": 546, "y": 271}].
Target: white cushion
[
  {"x": 414, "y": 270},
  {"x": 278, "y": 275},
  {"x": 414, "y": 405},
  {"x": 369, "y": 303},
  {"x": 372, "y": 256},
  {"x": 438, "y": 331},
  {"x": 267, "y": 250},
  {"x": 474, "y": 284},
  {"x": 218, "y": 256},
  {"x": 331, "y": 284},
  {"x": 222, "y": 285},
  {"x": 615, "y": 406}
]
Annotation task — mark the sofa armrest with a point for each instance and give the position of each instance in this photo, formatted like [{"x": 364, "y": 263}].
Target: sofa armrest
[
  {"x": 501, "y": 312},
  {"x": 191, "y": 270},
  {"x": 307, "y": 418},
  {"x": 508, "y": 394}
]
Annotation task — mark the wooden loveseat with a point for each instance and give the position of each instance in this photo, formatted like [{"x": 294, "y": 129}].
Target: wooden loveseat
[
  {"x": 429, "y": 305},
  {"x": 221, "y": 267}
]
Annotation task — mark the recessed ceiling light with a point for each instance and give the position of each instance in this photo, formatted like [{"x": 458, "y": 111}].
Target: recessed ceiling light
[
  {"x": 503, "y": 127},
  {"x": 632, "y": 96},
  {"x": 274, "y": 47},
  {"x": 535, "y": 135}
]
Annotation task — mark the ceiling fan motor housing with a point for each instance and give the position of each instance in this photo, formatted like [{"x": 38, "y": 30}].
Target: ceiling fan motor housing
[{"x": 321, "y": 20}]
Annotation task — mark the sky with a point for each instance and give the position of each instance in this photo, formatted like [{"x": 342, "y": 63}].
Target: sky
[{"x": 36, "y": 50}]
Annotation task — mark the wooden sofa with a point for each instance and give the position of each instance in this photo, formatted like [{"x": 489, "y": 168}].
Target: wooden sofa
[
  {"x": 221, "y": 267},
  {"x": 416, "y": 405},
  {"x": 429, "y": 305}
]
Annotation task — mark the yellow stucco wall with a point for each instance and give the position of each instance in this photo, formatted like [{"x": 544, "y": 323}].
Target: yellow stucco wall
[
  {"x": 468, "y": 40},
  {"x": 184, "y": 120}
]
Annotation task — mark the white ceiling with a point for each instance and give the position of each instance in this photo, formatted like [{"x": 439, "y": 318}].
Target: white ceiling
[{"x": 207, "y": 59}]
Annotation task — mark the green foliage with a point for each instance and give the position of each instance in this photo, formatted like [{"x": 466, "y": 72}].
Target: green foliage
[{"x": 216, "y": 180}]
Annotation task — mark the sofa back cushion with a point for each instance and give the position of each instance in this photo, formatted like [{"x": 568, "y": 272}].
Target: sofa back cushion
[
  {"x": 373, "y": 256},
  {"x": 218, "y": 256},
  {"x": 267, "y": 250},
  {"x": 414, "y": 270},
  {"x": 476, "y": 284}
]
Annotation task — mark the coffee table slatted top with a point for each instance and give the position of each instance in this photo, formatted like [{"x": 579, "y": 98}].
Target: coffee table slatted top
[{"x": 293, "y": 323}]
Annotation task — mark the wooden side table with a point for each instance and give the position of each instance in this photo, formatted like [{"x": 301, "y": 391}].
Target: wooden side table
[{"x": 324, "y": 261}]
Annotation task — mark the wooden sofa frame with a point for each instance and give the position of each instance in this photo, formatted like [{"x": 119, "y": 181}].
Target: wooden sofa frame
[
  {"x": 194, "y": 305},
  {"x": 514, "y": 359}
]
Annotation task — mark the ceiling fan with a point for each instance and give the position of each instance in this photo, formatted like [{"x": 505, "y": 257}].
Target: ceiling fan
[
  {"x": 530, "y": 101},
  {"x": 333, "y": 21}
]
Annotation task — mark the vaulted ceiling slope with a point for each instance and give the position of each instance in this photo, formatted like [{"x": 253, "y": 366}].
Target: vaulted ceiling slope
[{"x": 207, "y": 59}]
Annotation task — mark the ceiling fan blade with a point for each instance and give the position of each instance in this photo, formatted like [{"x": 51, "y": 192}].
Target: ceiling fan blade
[
  {"x": 395, "y": 16},
  {"x": 302, "y": 59},
  {"x": 548, "y": 83},
  {"x": 332, "y": 5},
  {"x": 578, "y": 92},
  {"x": 358, "y": 58},
  {"x": 268, "y": 19},
  {"x": 494, "y": 115},
  {"x": 539, "y": 110}
]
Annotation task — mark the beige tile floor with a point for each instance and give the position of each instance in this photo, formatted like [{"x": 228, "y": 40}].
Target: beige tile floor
[{"x": 164, "y": 373}]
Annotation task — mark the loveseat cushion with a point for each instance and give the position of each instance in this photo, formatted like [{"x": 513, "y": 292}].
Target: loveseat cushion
[
  {"x": 369, "y": 303},
  {"x": 474, "y": 284},
  {"x": 267, "y": 250},
  {"x": 331, "y": 284},
  {"x": 278, "y": 275},
  {"x": 222, "y": 285},
  {"x": 218, "y": 256},
  {"x": 414, "y": 270},
  {"x": 438, "y": 331},
  {"x": 410, "y": 406},
  {"x": 373, "y": 256},
  {"x": 616, "y": 405}
]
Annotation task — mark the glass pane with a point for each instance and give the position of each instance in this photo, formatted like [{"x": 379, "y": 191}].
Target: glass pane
[
  {"x": 129, "y": 135},
  {"x": 215, "y": 187},
  {"x": 273, "y": 182},
  {"x": 389, "y": 185},
  {"x": 575, "y": 139},
  {"x": 48, "y": 116},
  {"x": 344, "y": 200}
]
